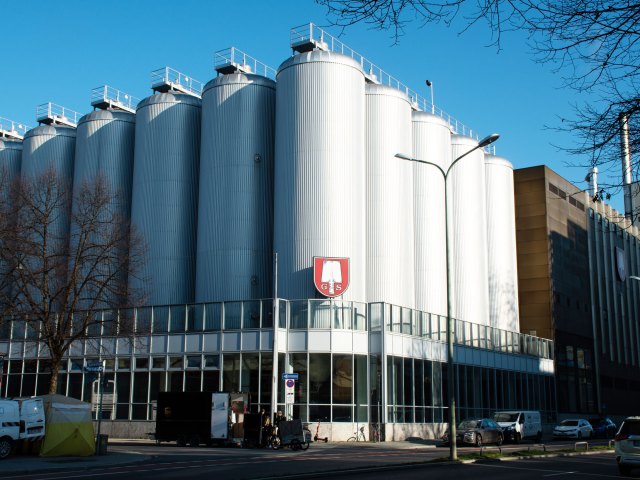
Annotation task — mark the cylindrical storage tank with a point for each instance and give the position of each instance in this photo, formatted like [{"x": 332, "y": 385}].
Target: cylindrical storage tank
[
  {"x": 104, "y": 150},
  {"x": 45, "y": 149},
  {"x": 501, "y": 243},
  {"x": 235, "y": 214},
  {"x": 10, "y": 163},
  {"x": 390, "y": 232},
  {"x": 104, "y": 146},
  {"x": 165, "y": 196},
  {"x": 319, "y": 186},
  {"x": 468, "y": 233},
  {"x": 431, "y": 142}
]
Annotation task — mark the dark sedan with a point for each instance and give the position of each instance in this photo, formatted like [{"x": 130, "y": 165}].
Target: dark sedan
[
  {"x": 603, "y": 427},
  {"x": 477, "y": 431}
]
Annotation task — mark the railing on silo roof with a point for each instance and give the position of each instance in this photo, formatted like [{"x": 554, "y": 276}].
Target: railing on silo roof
[
  {"x": 307, "y": 37},
  {"x": 106, "y": 97},
  {"x": 12, "y": 129},
  {"x": 232, "y": 60},
  {"x": 52, "y": 113},
  {"x": 167, "y": 79}
]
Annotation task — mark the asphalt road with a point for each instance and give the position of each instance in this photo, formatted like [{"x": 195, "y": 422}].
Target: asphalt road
[{"x": 336, "y": 461}]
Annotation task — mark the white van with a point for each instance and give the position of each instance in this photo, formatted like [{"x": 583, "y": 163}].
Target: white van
[
  {"x": 519, "y": 424},
  {"x": 20, "y": 419}
]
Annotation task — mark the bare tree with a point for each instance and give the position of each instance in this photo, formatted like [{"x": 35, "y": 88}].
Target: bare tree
[
  {"x": 593, "y": 44},
  {"x": 65, "y": 259}
]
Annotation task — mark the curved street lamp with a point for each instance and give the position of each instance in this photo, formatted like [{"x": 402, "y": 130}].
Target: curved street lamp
[{"x": 453, "y": 449}]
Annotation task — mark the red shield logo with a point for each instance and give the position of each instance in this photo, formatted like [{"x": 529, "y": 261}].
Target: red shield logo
[{"x": 331, "y": 275}]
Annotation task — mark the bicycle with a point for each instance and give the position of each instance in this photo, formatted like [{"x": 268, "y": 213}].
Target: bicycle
[
  {"x": 358, "y": 436},
  {"x": 375, "y": 432}
]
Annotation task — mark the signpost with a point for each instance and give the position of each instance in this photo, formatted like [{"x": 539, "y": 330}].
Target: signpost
[
  {"x": 1, "y": 371},
  {"x": 290, "y": 392},
  {"x": 99, "y": 369}
]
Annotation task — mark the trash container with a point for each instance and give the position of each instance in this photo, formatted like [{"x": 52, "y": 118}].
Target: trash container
[{"x": 102, "y": 441}]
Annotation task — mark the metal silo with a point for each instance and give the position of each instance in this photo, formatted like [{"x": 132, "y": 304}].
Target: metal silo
[
  {"x": 501, "y": 243},
  {"x": 319, "y": 187},
  {"x": 104, "y": 145},
  {"x": 10, "y": 162},
  {"x": 235, "y": 213},
  {"x": 468, "y": 233},
  {"x": 165, "y": 195},
  {"x": 431, "y": 142},
  {"x": 390, "y": 223}
]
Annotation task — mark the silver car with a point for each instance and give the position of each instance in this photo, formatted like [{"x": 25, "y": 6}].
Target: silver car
[{"x": 628, "y": 445}]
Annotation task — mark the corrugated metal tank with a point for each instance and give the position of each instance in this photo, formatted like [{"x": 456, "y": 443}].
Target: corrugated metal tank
[
  {"x": 51, "y": 148},
  {"x": 431, "y": 142},
  {"x": 501, "y": 243},
  {"x": 390, "y": 224},
  {"x": 10, "y": 163},
  {"x": 165, "y": 195},
  {"x": 235, "y": 214},
  {"x": 468, "y": 233},
  {"x": 319, "y": 187},
  {"x": 105, "y": 143}
]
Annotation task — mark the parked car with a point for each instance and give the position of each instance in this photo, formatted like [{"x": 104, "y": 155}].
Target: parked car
[
  {"x": 628, "y": 445},
  {"x": 573, "y": 428},
  {"x": 603, "y": 427},
  {"x": 477, "y": 431}
]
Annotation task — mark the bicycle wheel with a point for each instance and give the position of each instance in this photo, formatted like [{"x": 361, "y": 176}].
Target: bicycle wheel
[
  {"x": 352, "y": 439},
  {"x": 305, "y": 445}
]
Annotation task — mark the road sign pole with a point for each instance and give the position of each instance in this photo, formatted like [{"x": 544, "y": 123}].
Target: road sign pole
[{"x": 100, "y": 394}]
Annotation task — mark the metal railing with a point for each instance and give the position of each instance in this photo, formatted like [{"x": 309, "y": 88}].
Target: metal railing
[
  {"x": 316, "y": 35},
  {"x": 12, "y": 128},
  {"x": 246, "y": 63},
  {"x": 173, "y": 78},
  {"x": 113, "y": 96},
  {"x": 57, "y": 114}
]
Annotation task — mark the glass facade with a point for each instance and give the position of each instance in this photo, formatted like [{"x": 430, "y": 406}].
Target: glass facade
[{"x": 338, "y": 349}]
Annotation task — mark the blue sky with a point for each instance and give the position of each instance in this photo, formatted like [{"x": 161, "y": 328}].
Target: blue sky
[{"x": 58, "y": 51}]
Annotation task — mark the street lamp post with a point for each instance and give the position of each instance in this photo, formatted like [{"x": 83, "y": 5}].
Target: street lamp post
[
  {"x": 433, "y": 106},
  {"x": 453, "y": 449}
]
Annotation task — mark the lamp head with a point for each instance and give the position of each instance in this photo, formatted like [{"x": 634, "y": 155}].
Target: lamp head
[
  {"x": 488, "y": 140},
  {"x": 428, "y": 82},
  {"x": 403, "y": 156}
]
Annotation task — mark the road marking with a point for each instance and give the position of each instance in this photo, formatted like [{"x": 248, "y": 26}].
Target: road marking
[
  {"x": 529, "y": 469},
  {"x": 556, "y": 474}
]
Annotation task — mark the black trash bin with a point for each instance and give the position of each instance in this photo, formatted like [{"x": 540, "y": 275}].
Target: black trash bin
[{"x": 102, "y": 441}]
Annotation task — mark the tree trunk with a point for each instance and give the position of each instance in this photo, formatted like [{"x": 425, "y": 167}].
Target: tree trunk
[{"x": 55, "y": 369}]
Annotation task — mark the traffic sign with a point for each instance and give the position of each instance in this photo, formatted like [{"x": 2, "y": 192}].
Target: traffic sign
[
  {"x": 290, "y": 383},
  {"x": 290, "y": 376}
]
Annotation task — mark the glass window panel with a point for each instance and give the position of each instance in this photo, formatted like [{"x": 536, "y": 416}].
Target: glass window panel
[
  {"x": 406, "y": 320},
  {"x": 29, "y": 386},
  {"x": 342, "y": 315},
  {"x": 267, "y": 314},
  {"x": 139, "y": 412},
  {"x": 299, "y": 365},
  {"x": 211, "y": 381},
  {"x": 320, "y": 378},
  {"x": 158, "y": 383},
  {"x": 18, "y": 330},
  {"x": 123, "y": 386},
  {"x": 376, "y": 313},
  {"x": 342, "y": 414},
  {"x": 298, "y": 314},
  {"x": 192, "y": 381},
  {"x": 195, "y": 317},
  {"x": 176, "y": 362},
  {"x": 419, "y": 382},
  {"x": 160, "y": 319},
  {"x": 159, "y": 362},
  {"x": 408, "y": 381},
  {"x": 250, "y": 374},
  {"x": 231, "y": 372},
  {"x": 124, "y": 363},
  {"x": 320, "y": 412},
  {"x": 342, "y": 378},
  {"x": 266, "y": 370},
  {"x": 178, "y": 319},
  {"x": 232, "y": 315},
  {"x": 213, "y": 314},
  {"x": 194, "y": 361},
  {"x": 140, "y": 387},
  {"x": 212, "y": 361},
  {"x": 142, "y": 363},
  {"x": 174, "y": 381},
  {"x": 251, "y": 315},
  {"x": 361, "y": 389}
]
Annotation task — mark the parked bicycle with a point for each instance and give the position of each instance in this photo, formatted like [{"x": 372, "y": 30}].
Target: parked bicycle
[{"x": 358, "y": 436}]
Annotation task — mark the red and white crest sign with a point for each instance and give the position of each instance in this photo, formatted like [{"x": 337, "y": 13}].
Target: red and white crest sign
[{"x": 331, "y": 275}]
